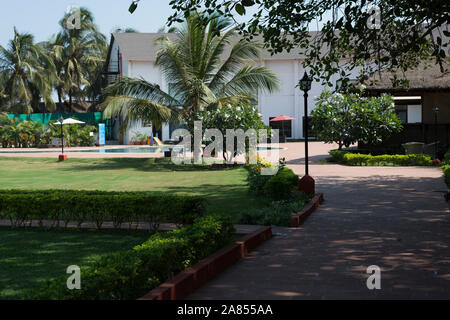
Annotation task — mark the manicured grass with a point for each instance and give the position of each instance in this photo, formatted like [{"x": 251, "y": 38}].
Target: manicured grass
[
  {"x": 226, "y": 190},
  {"x": 29, "y": 257}
]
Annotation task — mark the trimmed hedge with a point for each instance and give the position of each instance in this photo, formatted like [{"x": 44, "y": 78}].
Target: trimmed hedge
[
  {"x": 282, "y": 185},
  {"x": 130, "y": 274},
  {"x": 63, "y": 206},
  {"x": 358, "y": 159}
]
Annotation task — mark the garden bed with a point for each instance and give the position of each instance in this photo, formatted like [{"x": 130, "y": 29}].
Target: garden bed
[
  {"x": 299, "y": 218},
  {"x": 359, "y": 159},
  {"x": 225, "y": 190},
  {"x": 31, "y": 256},
  {"x": 128, "y": 274},
  {"x": 194, "y": 277}
]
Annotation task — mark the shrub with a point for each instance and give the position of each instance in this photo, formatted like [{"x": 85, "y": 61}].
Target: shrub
[
  {"x": 358, "y": 159},
  {"x": 98, "y": 206},
  {"x": 446, "y": 157},
  {"x": 350, "y": 118},
  {"x": 277, "y": 213},
  {"x": 282, "y": 185},
  {"x": 446, "y": 170},
  {"x": 256, "y": 181},
  {"x": 131, "y": 273},
  {"x": 337, "y": 156}
]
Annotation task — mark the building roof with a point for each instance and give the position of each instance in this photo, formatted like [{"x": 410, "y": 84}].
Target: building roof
[
  {"x": 141, "y": 47},
  {"x": 421, "y": 78}
]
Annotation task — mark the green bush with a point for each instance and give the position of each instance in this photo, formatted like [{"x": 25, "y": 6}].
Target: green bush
[
  {"x": 446, "y": 157},
  {"x": 63, "y": 206},
  {"x": 132, "y": 273},
  {"x": 277, "y": 213},
  {"x": 282, "y": 185},
  {"x": 337, "y": 156},
  {"x": 446, "y": 170},
  {"x": 358, "y": 159}
]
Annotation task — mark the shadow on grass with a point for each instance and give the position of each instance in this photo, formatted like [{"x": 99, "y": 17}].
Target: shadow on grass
[
  {"x": 29, "y": 257},
  {"x": 143, "y": 164}
]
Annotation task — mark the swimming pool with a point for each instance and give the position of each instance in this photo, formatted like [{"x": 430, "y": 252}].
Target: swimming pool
[
  {"x": 102, "y": 150},
  {"x": 118, "y": 150}
]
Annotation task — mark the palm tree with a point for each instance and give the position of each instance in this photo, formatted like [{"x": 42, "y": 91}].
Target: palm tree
[
  {"x": 197, "y": 76},
  {"x": 4, "y": 104},
  {"x": 79, "y": 56},
  {"x": 25, "y": 72}
]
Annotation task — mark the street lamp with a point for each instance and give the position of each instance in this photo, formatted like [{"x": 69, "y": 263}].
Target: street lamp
[
  {"x": 61, "y": 120},
  {"x": 307, "y": 183},
  {"x": 305, "y": 86},
  {"x": 435, "y": 110}
]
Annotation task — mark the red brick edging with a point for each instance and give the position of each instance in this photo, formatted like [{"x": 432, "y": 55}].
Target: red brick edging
[
  {"x": 301, "y": 217},
  {"x": 194, "y": 277}
]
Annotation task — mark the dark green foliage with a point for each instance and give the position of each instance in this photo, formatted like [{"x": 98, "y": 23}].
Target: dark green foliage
[
  {"x": 446, "y": 169},
  {"x": 446, "y": 159},
  {"x": 130, "y": 274},
  {"x": 282, "y": 185},
  {"x": 400, "y": 41},
  {"x": 350, "y": 118},
  {"x": 256, "y": 181},
  {"x": 63, "y": 206},
  {"x": 358, "y": 159},
  {"x": 277, "y": 213}
]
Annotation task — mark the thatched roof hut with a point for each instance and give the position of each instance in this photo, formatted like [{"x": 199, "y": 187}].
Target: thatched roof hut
[{"x": 423, "y": 78}]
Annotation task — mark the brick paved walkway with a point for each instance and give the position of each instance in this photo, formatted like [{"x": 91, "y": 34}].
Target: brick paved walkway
[{"x": 392, "y": 217}]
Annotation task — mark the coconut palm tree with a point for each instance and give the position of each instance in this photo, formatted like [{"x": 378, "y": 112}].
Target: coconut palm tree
[
  {"x": 4, "y": 104},
  {"x": 79, "y": 56},
  {"x": 26, "y": 72},
  {"x": 198, "y": 72}
]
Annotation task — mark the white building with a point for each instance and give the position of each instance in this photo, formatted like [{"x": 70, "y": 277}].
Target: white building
[{"x": 134, "y": 54}]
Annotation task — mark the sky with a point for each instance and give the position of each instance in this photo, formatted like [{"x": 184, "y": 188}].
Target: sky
[{"x": 40, "y": 17}]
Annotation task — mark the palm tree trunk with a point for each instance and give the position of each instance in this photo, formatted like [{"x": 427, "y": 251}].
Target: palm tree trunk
[{"x": 70, "y": 100}]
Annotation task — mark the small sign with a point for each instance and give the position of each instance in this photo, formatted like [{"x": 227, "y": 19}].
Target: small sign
[{"x": 101, "y": 134}]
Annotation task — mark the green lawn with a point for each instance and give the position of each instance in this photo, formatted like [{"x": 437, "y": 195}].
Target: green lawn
[
  {"x": 226, "y": 190},
  {"x": 30, "y": 257}
]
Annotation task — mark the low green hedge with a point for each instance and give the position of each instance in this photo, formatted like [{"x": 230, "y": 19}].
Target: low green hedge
[
  {"x": 132, "y": 273},
  {"x": 63, "y": 206},
  {"x": 282, "y": 185},
  {"x": 358, "y": 159}
]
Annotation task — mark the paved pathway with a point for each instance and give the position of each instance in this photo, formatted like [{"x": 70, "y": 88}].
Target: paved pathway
[{"x": 392, "y": 217}]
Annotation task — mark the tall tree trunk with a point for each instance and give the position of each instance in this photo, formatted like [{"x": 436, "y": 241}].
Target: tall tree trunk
[{"x": 70, "y": 100}]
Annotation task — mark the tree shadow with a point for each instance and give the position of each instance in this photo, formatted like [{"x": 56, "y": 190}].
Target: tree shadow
[
  {"x": 142, "y": 164},
  {"x": 398, "y": 223}
]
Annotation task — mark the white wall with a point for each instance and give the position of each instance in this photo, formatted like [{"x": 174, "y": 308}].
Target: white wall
[
  {"x": 148, "y": 71},
  {"x": 288, "y": 101}
]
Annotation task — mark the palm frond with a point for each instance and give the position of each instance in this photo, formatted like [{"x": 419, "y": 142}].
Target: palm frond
[
  {"x": 133, "y": 109},
  {"x": 250, "y": 78}
]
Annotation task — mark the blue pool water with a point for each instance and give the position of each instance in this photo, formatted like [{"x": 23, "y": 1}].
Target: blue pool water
[{"x": 116, "y": 150}]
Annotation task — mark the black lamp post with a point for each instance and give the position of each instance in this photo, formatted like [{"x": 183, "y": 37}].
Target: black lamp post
[
  {"x": 61, "y": 120},
  {"x": 436, "y": 110},
  {"x": 305, "y": 86},
  {"x": 306, "y": 184}
]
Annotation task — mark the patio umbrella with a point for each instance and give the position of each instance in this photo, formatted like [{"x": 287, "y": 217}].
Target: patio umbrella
[
  {"x": 70, "y": 121},
  {"x": 281, "y": 119},
  {"x": 61, "y": 122}
]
